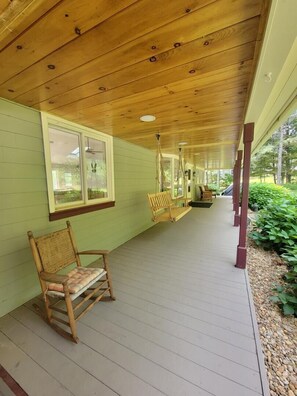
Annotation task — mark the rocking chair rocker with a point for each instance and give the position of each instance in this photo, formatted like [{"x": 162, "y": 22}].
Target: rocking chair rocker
[{"x": 79, "y": 290}]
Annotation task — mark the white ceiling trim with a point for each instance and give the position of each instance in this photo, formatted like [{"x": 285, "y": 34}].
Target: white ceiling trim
[{"x": 271, "y": 101}]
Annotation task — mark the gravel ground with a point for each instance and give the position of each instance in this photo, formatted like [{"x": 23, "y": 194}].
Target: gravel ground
[{"x": 278, "y": 333}]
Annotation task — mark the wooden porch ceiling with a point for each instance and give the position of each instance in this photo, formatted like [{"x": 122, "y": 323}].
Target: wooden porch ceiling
[{"x": 105, "y": 63}]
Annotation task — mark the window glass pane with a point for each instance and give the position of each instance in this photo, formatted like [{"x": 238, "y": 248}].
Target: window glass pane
[
  {"x": 66, "y": 168},
  {"x": 178, "y": 179},
  {"x": 95, "y": 154},
  {"x": 167, "y": 174}
]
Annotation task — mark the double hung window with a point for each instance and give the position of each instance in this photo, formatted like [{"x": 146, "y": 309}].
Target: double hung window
[{"x": 79, "y": 165}]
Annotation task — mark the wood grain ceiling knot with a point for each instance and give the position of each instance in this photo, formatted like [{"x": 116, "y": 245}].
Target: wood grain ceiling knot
[
  {"x": 176, "y": 45},
  {"x": 77, "y": 31},
  {"x": 51, "y": 67},
  {"x": 153, "y": 59},
  {"x": 19, "y": 47}
]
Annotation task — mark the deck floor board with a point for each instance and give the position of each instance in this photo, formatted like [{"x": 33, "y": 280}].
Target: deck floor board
[{"x": 181, "y": 324}]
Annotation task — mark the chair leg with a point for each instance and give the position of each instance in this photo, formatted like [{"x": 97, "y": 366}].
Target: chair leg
[
  {"x": 110, "y": 288},
  {"x": 71, "y": 317},
  {"x": 108, "y": 277},
  {"x": 47, "y": 308}
]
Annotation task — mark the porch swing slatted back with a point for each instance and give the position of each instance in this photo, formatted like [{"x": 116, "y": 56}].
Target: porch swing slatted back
[{"x": 164, "y": 209}]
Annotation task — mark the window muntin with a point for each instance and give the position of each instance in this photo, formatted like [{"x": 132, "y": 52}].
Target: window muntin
[
  {"x": 95, "y": 155},
  {"x": 79, "y": 165}
]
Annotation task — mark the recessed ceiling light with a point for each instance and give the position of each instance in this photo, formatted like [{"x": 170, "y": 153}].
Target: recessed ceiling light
[
  {"x": 182, "y": 143},
  {"x": 147, "y": 118}
]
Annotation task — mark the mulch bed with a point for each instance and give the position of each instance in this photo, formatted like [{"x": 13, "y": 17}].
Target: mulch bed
[{"x": 278, "y": 333}]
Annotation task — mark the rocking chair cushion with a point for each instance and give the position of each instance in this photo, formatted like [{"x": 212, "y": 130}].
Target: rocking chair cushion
[{"x": 79, "y": 279}]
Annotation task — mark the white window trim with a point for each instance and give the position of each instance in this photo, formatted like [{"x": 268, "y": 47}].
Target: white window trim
[
  {"x": 48, "y": 119},
  {"x": 173, "y": 157}
]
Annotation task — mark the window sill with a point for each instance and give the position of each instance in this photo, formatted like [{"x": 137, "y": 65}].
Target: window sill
[{"x": 62, "y": 214}]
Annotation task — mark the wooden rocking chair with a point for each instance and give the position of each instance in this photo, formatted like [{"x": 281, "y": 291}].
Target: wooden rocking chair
[{"x": 79, "y": 290}]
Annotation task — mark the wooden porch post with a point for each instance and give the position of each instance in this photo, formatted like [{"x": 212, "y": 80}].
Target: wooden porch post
[
  {"x": 236, "y": 188},
  {"x": 234, "y": 183},
  {"x": 248, "y": 137}
]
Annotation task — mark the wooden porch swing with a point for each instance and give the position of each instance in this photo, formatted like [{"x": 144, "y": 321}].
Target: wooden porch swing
[{"x": 163, "y": 207}]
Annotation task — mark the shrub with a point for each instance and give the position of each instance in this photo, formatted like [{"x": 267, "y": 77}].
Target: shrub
[
  {"x": 276, "y": 226},
  {"x": 291, "y": 186},
  {"x": 226, "y": 181},
  {"x": 213, "y": 187},
  {"x": 261, "y": 194},
  {"x": 286, "y": 296},
  {"x": 276, "y": 229}
]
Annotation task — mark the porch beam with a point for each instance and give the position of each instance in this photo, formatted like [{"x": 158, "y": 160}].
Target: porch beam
[
  {"x": 248, "y": 137},
  {"x": 236, "y": 188}
]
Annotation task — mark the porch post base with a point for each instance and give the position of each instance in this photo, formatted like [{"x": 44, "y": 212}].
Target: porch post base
[
  {"x": 236, "y": 220},
  {"x": 241, "y": 257}
]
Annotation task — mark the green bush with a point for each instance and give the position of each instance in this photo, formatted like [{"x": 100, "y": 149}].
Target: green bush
[
  {"x": 65, "y": 196},
  {"x": 276, "y": 229},
  {"x": 260, "y": 194},
  {"x": 291, "y": 186},
  {"x": 213, "y": 187},
  {"x": 226, "y": 181},
  {"x": 286, "y": 296},
  {"x": 276, "y": 226}
]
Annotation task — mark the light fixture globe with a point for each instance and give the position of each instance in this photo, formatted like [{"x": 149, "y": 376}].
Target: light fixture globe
[{"x": 147, "y": 118}]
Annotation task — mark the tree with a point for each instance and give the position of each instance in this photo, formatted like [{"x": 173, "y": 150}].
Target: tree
[
  {"x": 281, "y": 131},
  {"x": 290, "y": 150},
  {"x": 278, "y": 157},
  {"x": 264, "y": 162}
]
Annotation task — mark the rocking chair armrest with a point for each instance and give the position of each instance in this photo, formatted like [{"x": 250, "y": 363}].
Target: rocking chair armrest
[
  {"x": 94, "y": 252},
  {"x": 55, "y": 278}
]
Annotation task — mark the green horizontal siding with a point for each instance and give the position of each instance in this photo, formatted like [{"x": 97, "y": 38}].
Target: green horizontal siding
[{"x": 24, "y": 202}]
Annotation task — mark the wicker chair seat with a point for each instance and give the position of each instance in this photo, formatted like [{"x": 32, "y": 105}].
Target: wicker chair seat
[{"x": 80, "y": 279}]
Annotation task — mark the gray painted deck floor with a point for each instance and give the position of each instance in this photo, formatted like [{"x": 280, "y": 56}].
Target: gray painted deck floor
[{"x": 181, "y": 324}]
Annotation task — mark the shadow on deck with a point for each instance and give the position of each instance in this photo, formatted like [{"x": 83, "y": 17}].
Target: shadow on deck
[{"x": 181, "y": 325}]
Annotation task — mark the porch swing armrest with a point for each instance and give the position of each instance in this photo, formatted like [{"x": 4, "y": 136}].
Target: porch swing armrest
[
  {"x": 94, "y": 252},
  {"x": 55, "y": 278}
]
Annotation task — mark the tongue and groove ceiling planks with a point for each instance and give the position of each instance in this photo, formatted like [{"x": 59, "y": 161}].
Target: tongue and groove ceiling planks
[{"x": 105, "y": 63}]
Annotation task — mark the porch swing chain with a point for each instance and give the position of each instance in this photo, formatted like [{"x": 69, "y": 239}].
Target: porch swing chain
[
  {"x": 160, "y": 176},
  {"x": 181, "y": 172}
]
